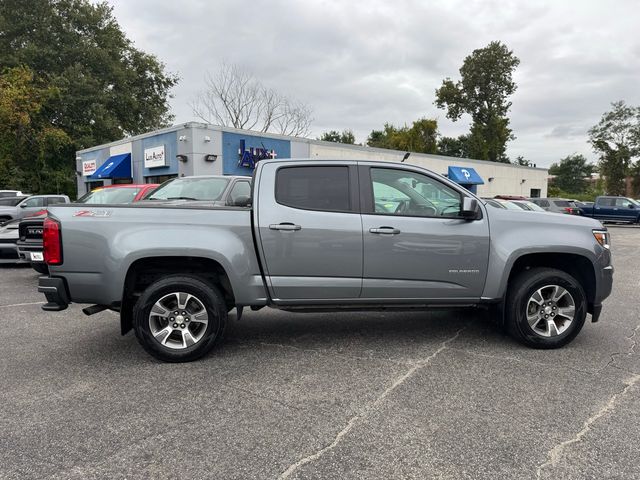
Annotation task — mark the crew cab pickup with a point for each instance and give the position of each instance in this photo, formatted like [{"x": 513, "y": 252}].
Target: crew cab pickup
[
  {"x": 613, "y": 209},
  {"x": 325, "y": 235}
]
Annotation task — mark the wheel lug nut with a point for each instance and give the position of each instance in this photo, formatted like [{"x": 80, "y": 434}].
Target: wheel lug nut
[
  {"x": 555, "y": 308},
  {"x": 175, "y": 313},
  {"x": 175, "y": 325},
  {"x": 172, "y": 319},
  {"x": 186, "y": 320},
  {"x": 184, "y": 313},
  {"x": 182, "y": 325},
  {"x": 546, "y": 316}
]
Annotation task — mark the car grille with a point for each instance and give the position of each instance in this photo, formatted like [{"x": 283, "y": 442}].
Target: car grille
[{"x": 30, "y": 232}]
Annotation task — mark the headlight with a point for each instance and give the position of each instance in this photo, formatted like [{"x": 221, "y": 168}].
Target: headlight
[{"x": 602, "y": 237}]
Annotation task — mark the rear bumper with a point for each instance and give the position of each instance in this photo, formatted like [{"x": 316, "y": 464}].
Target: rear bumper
[
  {"x": 26, "y": 248},
  {"x": 56, "y": 292}
]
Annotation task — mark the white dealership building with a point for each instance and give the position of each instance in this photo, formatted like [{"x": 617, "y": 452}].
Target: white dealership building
[{"x": 201, "y": 149}]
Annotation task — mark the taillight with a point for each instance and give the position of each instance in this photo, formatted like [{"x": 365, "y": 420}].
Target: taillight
[{"x": 52, "y": 242}]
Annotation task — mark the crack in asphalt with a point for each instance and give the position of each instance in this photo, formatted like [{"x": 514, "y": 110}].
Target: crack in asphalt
[
  {"x": 524, "y": 360},
  {"x": 632, "y": 351},
  {"x": 553, "y": 455},
  {"x": 21, "y": 304},
  {"x": 327, "y": 352},
  {"x": 367, "y": 409}
]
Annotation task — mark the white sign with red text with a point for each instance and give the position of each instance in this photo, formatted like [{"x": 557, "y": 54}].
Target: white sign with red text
[{"x": 88, "y": 167}]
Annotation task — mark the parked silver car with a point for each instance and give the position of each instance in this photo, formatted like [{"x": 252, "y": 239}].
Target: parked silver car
[
  {"x": 30, "y": 206},
  {"x": 8, "y": 239},
  {"x": 557, "y": 205}
]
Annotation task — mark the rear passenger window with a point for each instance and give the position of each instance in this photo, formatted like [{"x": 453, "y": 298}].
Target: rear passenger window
[
  {"x": 606, "y": 202},
  {"x": 54, "y": 200},
  {"x": 314, "y": 188}
]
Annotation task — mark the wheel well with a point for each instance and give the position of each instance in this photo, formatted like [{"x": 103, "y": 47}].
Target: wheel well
[
  {"x": 144, "y": 272},
  {"x": 577, "y": 266}
]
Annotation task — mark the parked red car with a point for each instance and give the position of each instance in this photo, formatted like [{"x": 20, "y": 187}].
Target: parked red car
[{"x": 118, "y": 194}]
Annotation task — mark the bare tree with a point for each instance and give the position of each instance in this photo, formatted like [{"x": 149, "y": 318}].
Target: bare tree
[{"x": 233, "y": 97}]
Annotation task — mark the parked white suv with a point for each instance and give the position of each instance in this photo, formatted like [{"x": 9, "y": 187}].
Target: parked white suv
[{"x": 11, "y": 193}]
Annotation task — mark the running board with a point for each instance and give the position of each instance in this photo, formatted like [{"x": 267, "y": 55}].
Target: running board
[{"x": 92, "y": 310}]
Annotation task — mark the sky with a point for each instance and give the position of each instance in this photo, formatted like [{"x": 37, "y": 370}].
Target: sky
[{"x": 359, "y": 64}]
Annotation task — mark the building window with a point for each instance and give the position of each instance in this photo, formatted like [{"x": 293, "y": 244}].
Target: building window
[
  {"x": 535, "y": 193},
  {"x": 92, "y": 185},
  {"x": 121, "y": 181},
  {"x": 159, "y": 178}
]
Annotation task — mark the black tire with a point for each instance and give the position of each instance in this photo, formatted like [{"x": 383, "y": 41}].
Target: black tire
[
  {"x": 521, "y": 290},
  {"x": 40, "y": 268},
  {"x": 206, "y": 293}
]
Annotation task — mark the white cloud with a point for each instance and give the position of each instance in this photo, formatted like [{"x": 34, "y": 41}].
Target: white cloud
[{"x": 360, "y": 64}]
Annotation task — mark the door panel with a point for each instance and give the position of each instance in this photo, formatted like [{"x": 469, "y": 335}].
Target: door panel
[
  {"x": 415, "y": 245},
  {"x": 310, "y": 253},
  {"x": 429, "y": 258}
]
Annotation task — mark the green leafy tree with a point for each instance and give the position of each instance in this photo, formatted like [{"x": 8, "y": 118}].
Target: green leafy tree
[
  {"x": 454, "y": 146},
  {"x": 483, "y": 89},
  {"x": 94, "y": 85},
  {"x": 107, "y": 87},
  {"x": 523, "y": 162},
  {"x": 32, "y": 151},
  {"x": 346, "y": 136},
  {"x": 616, "y": 139},
  {"x": 571, "y": 174},
  {"x": 421, "y": 137}
]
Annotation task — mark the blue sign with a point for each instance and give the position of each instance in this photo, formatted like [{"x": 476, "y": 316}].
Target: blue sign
[
  {"x": 464, "y": 176},
  {"x": 248, "y": 157},
  {"x": 241, "y": 152}
]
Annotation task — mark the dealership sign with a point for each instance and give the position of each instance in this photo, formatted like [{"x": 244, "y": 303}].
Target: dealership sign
[
  {"x": 89, "y": 167},
  {"x": 249, "y": 156},
  {"x": 155, "y": 157}
]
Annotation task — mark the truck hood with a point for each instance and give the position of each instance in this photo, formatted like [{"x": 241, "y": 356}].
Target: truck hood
[{"x": 543, "y": 218}]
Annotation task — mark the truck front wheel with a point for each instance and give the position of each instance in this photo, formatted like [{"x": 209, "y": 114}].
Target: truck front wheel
[
  {"x": 546, "y": 308},
  {"x": 179, "y": 318}
]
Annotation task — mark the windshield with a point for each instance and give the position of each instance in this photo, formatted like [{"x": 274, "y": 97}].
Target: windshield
[
  {"x": 534, "y": 207},
  {"x": 203, "y": 188},
  {"x": 110, "y": 195},
  {"x": 510, "y": 205}
]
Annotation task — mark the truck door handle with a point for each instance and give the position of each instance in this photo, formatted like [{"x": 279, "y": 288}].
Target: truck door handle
[
  {"x": 289, "y": 227},
  {"x": 385, "y": 230}
]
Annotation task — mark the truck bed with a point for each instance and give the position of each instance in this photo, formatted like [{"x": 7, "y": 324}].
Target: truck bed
[{"x": 102, "y": 242}]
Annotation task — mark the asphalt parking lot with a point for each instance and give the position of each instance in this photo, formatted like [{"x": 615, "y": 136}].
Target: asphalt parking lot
[{"x": 361, "y": 395}]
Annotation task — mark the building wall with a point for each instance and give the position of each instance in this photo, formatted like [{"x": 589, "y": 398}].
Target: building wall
[
  {"x": 197, "y": 140},
  {"x": 499, "y": 178}
]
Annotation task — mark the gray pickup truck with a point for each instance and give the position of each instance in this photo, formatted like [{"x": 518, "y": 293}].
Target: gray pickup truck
[{"x": 325, "y": 235}]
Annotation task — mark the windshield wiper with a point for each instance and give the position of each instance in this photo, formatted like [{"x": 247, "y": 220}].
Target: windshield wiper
[{"x": 181, "y": 198}]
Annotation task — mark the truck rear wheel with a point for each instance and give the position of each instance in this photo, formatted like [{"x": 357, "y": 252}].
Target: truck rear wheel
[
  {"x": 179, "y": 318},
  {"x": 546, "y": 308}
]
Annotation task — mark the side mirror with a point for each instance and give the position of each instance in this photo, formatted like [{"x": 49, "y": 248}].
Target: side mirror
[
  {"x": 241, "y": 201},
  {"x": 24, "y": 205},
  {"x": 631, "y": 205},
  {"x": 469, "y": 208}
]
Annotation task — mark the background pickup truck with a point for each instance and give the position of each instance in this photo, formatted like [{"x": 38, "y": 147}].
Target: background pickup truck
[
  {"x": 325, "y": 235},
  {"x": 613, "y": 209}
]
